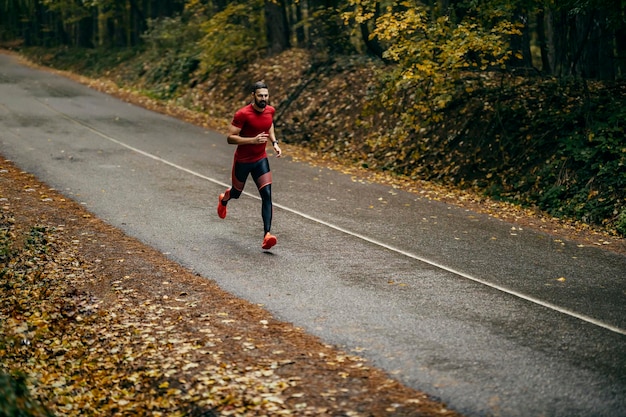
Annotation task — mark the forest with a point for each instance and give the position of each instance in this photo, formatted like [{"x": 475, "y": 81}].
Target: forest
[{"x": 521, "y": 100}]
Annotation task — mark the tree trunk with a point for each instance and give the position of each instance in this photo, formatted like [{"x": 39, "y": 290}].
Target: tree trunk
[
  {"x": 373, "y": 46},
  {"x": 521, "y": 44},
  {"x": 138, "y": 20},
  {"x": 606, "y": 49},
  {"x": 543, "y": 41},
  {"x": 128, "y": 23},
  {"x": 558, "y": 51},
  {"x": 582, "y": 57},
  {"x": 102, "y": 25},
  {"x": 620, "y": 52},
  {"x": 300, "y": 14},
  {"x": 84, "y": 33},
  {"x": 276, "y": 26}
]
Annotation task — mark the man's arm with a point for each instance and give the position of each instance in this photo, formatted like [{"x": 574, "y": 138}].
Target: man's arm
[
  {"x": 275, "y": 142},
  {"x": 234, "y": 138}
]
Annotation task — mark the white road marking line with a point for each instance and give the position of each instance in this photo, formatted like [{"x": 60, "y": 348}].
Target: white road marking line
[{"x": 514, "y": 293}]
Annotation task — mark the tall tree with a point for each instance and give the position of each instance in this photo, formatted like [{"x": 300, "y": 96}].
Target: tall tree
[
  {"x": 276, "y": 26},
  {"x": 371, "y": 42}
]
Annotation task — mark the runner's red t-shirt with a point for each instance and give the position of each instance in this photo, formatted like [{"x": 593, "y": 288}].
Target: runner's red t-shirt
[{"x": 251, "y": 123}]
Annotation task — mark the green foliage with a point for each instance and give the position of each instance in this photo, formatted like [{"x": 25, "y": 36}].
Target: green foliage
[
  {"x": 15, "y": 399},
  {"x": 183, "y": 50},
  {"x": 233, "y": 36},
  {"x": 586, "y": 176},
  {"x": 171, "y": 33},
  {"x": 86, "y": 61},
  {"x": 37, "y": 240},
  {"x": 172, "y": 55},
  {"x": 556, "y": 145},
  {"x": 327, "y": 34}
]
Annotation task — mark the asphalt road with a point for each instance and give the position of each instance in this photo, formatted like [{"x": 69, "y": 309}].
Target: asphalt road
[{"x": 460, "y": 305}]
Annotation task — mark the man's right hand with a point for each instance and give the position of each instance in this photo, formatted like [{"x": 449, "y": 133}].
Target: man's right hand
[{"x": 261, "y": 138}]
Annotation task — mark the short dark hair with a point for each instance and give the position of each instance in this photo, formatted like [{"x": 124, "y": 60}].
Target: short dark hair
[{"x": 258, "y": 85}]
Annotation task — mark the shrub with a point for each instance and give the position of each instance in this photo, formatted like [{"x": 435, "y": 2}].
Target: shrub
[
  {"x": 172, "y": 55},
  {"x": 233, "y": 36},
  {"x": 15, "y": 399}
]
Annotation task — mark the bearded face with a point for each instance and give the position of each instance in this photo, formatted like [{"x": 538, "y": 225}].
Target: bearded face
[{"x": 261, "y": 96}]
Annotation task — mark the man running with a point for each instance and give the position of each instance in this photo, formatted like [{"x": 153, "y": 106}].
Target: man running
[{"x": 251, "y": 129}]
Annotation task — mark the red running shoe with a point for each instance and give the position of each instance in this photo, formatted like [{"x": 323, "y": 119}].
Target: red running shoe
[
  {"x": 221, "y": 209},
  {"x": 268, "y": 241}
]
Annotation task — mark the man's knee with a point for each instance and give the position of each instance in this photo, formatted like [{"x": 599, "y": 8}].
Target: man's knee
[{"x": 266, "y": 192}]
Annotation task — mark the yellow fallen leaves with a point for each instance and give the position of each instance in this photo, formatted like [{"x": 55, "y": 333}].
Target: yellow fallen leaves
[{"x": 129, "y": 360}]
